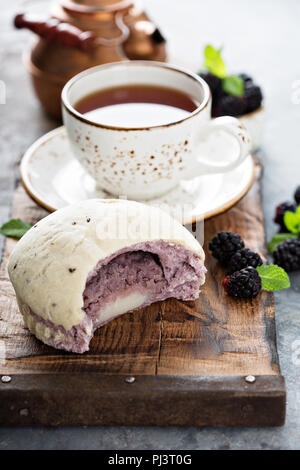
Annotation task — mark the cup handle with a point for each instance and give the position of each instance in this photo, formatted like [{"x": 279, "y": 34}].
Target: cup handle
[{"x": 231, "y": 126}]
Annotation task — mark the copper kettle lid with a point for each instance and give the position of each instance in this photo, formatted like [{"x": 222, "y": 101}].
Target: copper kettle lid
[
  {"x": 94, "y": 6},
  {"x": 93, "y": 13},
  {"x": 100, "y": 9}
]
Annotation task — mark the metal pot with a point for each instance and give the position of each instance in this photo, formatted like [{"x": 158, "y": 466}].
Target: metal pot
[{"x": 84, "y": 33}]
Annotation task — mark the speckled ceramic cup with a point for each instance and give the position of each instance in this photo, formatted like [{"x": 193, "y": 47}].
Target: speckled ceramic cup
[{"x": 143, "y": 163}]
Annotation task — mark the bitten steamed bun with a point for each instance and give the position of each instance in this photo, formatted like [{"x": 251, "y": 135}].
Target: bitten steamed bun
[{"x": 88, "y": 263}]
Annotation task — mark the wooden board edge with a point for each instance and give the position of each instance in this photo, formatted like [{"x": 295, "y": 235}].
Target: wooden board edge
[{"x": 94, "y": 400}]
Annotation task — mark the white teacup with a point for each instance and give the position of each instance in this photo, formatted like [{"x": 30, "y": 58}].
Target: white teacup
[{"x": 146, "y": 162}]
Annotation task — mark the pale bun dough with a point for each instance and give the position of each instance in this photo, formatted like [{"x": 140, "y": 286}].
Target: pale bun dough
[{"x": 50, "y": 264}]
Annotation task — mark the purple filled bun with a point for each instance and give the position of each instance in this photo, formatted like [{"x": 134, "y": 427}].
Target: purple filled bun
[{"x": 91, "y": 262}]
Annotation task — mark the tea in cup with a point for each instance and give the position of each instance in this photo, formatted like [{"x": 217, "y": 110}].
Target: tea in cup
[{"x": 137, "y": 127}]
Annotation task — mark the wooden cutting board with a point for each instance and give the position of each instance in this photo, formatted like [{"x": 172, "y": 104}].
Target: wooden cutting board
[{"x": 173, "y": 363}]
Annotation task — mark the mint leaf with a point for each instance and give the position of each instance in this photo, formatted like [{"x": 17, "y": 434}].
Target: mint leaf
[
  {"x": 233, "y": 85},
  {"x": 214, "y": 62},
  {"x": 292, "y": 221},
  {"x": 277, "y": 239},
  {"x": 273, "y": 277},
  {"x": 15, "y": 228}
]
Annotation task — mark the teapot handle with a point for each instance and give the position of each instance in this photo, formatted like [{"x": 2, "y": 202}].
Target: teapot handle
[
  {"x": 68, "y": 35},
  {"x": 124, "y": 35}
]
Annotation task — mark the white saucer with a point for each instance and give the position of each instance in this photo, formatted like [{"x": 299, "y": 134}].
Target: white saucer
[{"x": 54, "y": 179}]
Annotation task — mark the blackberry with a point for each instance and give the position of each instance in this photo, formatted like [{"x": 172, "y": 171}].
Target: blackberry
[
  {"x": 253, "y": 96},
  {"x": 246, "y": 79},
  {"x": 297, "y": 196},
  {"x": 224, "y": 245},
  {"x": 231, "y": 105},
  {"x": 287, "y": 255},
  {"x": 226, "y": 104},
  {"x": 244, "y": 284},
  {"x": 243, "y": 259},
  {"x": 216, "y": 109},
  {"x": 281, "y": 209},
  {"x": 214, "y": 82}
]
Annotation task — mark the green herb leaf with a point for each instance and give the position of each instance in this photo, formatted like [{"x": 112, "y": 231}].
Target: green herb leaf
[
  {"x": 277, "y": 239},
  {"x": 214, "y": 62},
  {"x": 292, "y": 221},
  {"x": 15, "y": 228},
  {"x": 273, "y": 277},
  {"x": 233, "y": 85}
]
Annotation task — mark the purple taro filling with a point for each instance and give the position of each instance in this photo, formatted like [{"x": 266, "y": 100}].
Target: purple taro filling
[{"x": 152, "y": 271}]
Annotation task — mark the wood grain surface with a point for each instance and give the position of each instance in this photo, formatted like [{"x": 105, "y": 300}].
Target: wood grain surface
[{"x": 211, "y": 339}]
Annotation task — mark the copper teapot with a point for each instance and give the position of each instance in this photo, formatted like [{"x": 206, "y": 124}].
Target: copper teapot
[{"x": 84, "y": 33}]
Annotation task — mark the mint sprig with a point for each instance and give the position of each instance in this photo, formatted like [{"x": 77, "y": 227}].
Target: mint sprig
[
  {"x": 292, "y": 221},
  {"x": 15, "y": 228},
  {"x": 273, "y": 277},
  {"x": 213, "y": 62},
  {"x": 233, "y": 85},
  {"x": 278, "y": 239}
]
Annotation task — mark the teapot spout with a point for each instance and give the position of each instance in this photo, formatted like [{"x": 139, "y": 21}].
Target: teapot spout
[{"x": 54, "y": 31}]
